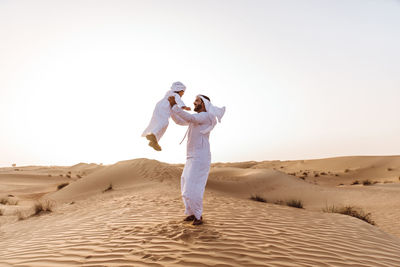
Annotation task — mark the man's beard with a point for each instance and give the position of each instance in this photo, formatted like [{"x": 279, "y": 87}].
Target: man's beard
[{"x": 197, "y": 108}]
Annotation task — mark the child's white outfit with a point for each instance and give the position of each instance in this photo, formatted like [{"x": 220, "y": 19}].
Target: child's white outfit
[{"x": 160, "y": 119}]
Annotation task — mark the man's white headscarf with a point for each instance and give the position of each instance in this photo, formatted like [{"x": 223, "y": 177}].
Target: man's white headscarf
[{"x": 214, "y": 113}]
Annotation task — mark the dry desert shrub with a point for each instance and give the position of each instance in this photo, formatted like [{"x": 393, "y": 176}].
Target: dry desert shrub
[
  {"x": 355, "y": 182},
  {"x": 367, "y": 182},
  {"x": 1, "y": 212},
  {"x": 109, "y": 188},
  {"x": 291, "y": 203},
  {"x": 350, "y": 211},
  {"x": 43, "y": 206},
  {"x": 4, "y": 200},
  {"x": 295, "y": 203},
  {"x": 60, "y": 186},
  {"x": 346, "y": 170},
  {"x": 258, "y": 198},
  {"x": 389, "y": 169},
  {"x": 8, "y": 201}
]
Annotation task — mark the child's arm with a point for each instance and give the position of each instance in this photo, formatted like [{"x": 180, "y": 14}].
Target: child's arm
[
  {"x": 179, "y": 101},
  {"x": 186, "y": 108}
]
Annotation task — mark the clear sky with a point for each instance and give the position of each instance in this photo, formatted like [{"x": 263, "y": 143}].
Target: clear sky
[{"x": 300, "y": 79}]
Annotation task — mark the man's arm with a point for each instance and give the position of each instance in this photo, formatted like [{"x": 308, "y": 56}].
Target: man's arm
[
  {"x": 195, "y": 118},
  {"x": 178, "y": 120},
  {"x": 198, "y": 118}
]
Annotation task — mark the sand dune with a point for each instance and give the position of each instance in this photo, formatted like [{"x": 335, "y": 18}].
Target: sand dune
[{"x": 139, "y": 222}]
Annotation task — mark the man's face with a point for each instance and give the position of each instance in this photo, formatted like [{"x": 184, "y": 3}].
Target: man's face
[{"x": 198, "y": 104}]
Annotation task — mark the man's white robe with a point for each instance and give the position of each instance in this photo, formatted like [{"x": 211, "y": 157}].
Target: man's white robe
[{"x": 198, "y": 159}]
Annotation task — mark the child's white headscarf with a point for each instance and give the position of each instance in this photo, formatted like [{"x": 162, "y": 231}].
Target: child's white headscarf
[
  {"x": 178, "y": 86},
  {"x": 175, "y": 87},
  {"x": 214, "y": 113}
]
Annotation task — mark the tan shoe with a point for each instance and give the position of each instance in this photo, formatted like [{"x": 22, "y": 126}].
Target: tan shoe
[
  {"x": 153, "y": 142},
  {"x": 152, "y": 138}
]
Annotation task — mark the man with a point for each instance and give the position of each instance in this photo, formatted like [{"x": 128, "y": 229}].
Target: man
[{"x": 198, "y": 155}]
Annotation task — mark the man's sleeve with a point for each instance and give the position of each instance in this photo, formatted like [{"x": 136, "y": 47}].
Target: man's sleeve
[
  {"x": 194, "y": 118},
  {"x": 178, "y": 120}
]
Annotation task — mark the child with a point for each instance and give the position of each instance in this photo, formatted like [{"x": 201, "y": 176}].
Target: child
[{"x": 159, "y": 122}]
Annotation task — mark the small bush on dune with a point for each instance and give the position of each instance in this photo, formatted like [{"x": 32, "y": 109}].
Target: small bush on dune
[
  {"x": 350, "y": 211},
  {"x": 3, "y": 200},
  {"x": 346, "y": 170},
  {"x": 291, "y": 203},
  {"x": 355, "y": 182},
  {"x": 258, "y": 198},
  {"x": 367, "y": 182},
  {"x": 43, "y": 205},
  {"x": 8, "y": 201},
  {"x": 295, "y": 203},
  {"x": 1, "y": 212},
  {"x": 60, "y": 186},
  {"x": 389, "y": 169},
  {"x": 109, "y": 188}
]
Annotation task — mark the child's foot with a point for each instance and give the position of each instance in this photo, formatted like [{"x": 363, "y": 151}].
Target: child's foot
[
  {"x": 156, "y": 146},
  {"x": 153, "y": 142},
  {"x": 152, "y": 138}
]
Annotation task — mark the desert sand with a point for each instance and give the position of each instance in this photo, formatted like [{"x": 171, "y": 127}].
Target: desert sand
[{"x": 131, "y": 214}]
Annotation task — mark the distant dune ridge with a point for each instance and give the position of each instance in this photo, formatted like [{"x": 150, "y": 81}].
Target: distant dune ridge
[{"x": 130, "y": 214}]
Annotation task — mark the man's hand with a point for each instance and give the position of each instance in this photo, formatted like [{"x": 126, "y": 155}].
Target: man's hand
[{"x": 172, "y": 101}]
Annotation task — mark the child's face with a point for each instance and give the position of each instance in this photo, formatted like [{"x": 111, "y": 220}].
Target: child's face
[{"x": 181, "y": 93}]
